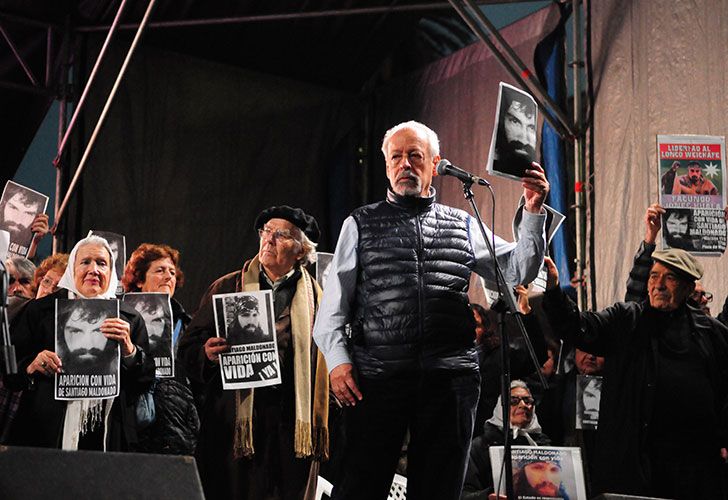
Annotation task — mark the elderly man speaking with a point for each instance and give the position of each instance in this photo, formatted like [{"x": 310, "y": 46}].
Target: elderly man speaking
[
  {"x": 400, "y": 277},
  {"x": 662, "y": 419},
  {"x": 258, "y": 443}
]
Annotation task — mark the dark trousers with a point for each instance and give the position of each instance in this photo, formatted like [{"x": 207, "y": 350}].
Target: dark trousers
[{"x": 438, "y": 408}]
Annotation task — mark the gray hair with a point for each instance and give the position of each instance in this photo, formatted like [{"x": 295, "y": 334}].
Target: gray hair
[
  {"x": 430, "y": 134},
  {"x": 521, "y": 384},
  {"x": 309, "y": 250},
  {"x": 25, "y": 268}
]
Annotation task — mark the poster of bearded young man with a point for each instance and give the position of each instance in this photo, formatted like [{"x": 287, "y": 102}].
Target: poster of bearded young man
[
  {"x": 19, "y": 206},
  {"x": 156, "y": 310},
  {"x": 90, "y": 360},
  {"x": 691, "y": 170},
  {"x": 245, "y": 321},
  {"x": 541, "y": 472},
  {"x": 513, "y": 145}
]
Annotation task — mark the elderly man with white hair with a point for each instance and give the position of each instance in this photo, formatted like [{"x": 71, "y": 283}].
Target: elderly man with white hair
[
  {"x": 91, "y": 424},
  {"x": 400, "y": 277}
]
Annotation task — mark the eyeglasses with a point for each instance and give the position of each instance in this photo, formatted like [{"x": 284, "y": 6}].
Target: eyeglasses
[
  {"x": 702, "y": 295},
  {"x": 48, "y": 282},
  {"x": 276, "y": 234},
  {"x": 22, "y": 281},
  {"x": 527, "y": 400}
]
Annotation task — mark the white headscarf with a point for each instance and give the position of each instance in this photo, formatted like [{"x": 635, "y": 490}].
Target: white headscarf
[
  {"x": 84, "y": 415},
  {"x": 67, "y": 280},
  {"x": 533, "y": 425}
]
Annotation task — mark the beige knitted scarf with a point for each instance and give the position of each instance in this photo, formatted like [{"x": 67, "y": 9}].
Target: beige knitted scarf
[{"x": 311, "y": 436}]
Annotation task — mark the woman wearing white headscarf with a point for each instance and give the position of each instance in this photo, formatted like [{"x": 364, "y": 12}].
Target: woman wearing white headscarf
[
  {"x": 525, "y": 432},
  {"x": 90, "y": 424}
]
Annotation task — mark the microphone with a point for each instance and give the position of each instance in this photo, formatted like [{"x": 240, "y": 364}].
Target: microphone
[{"x": 444, "y": 167}]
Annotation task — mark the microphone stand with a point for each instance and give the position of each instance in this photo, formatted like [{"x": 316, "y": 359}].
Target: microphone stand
[
  {"x": 10, "y": 363},
  {"x": 504, "y": 305}
]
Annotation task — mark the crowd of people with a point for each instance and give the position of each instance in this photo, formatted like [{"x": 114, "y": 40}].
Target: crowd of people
[{"x": 389, "y": 355}]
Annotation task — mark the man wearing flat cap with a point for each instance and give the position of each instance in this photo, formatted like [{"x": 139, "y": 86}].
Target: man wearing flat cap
[
  {"x": 400, "y": 277},
  {"x": 664, "y": 409},
  {"x": 261, "y": 443}
]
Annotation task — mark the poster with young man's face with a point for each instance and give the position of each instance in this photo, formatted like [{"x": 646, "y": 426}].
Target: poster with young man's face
[
  {"x": 90, "y": 360},
  {"x": 156, "y": 310},
  {"x": 246, "y": 321},
  {"x": 515, "y": 133},
  {"x": 692, "y": 178},
  {"x": 18, "y": 207}
]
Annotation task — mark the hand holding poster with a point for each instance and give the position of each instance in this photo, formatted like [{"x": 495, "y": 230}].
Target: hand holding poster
[
  {"x": 246, "y": 321},
  {"x": 513, "y": 145},
  {"x": 691, "y": 170},
  {"x": 156, "y": 310},
  {"x": 541, "y": 472},
  {"x": 20, "y": 205},
  {"x": 90, "y": 361}
]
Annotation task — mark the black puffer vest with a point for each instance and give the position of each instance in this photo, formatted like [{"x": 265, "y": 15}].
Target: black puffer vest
[{"x": 411, "y": 312}]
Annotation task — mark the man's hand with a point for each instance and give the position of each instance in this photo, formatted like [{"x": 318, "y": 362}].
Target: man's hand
[
  {"x": 39, "y": 226},
  {"x": 214, "y": 346},
  {"x": 653, "y": 222},
  {"x": 344, "y": 386},
  {"x": 535, "y": 188},
  {"x": 552, "y": 274}
]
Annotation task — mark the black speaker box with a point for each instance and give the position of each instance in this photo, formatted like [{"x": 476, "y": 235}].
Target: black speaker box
[{"x": 50, "y": 474}]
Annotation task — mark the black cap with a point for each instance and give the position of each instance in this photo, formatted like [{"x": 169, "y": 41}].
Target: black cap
[{"x": 295, "y": 216}]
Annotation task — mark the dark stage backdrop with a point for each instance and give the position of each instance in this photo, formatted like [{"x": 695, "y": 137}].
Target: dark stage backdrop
[{"x": 193, "y": 150}]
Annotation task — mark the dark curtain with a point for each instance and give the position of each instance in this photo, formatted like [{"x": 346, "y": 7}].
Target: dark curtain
[{"x": 192, "y": 151}]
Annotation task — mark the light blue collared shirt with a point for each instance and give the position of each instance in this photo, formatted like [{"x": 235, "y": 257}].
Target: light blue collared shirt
[{"x": 520, "y": 262}]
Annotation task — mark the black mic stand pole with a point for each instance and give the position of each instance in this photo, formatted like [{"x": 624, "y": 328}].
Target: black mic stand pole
[
  {"x": 503, "y": 306},
  {"x": 8, "y": 349}
]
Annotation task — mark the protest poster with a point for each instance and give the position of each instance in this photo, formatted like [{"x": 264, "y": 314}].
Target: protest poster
[
  {"x": 90, "y": 361},
  {"x": 691, "y": 170},
  {"x": 323, "y": 266},
  {"x": 588, "y": 396},
  {"x": 246, "y": 320},
  {"x": 117, "y": 242},
  {"x": 156, "y": 310},
  {"x": 20, "y": 205},
  {"x": 513, "y": 145},
  {"x": 541, "y": 472}
]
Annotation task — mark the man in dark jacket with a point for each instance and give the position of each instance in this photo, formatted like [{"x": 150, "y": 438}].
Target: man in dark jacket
[
  {"x": 664, "y": 403},
  {"x": 400, "y": 277}
]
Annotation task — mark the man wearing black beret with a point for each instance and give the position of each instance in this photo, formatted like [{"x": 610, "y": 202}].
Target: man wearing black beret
[
  {"x": 664, "y": 405},
  {"x": 260, "y": 443},
  {"x": 400, "y": 277}
]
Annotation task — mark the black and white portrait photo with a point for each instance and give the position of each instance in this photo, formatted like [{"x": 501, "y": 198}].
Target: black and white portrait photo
[
  {"x": 156, "y": 310},
  {"x": 18, "y": 207},
  {"x": 513, "y": 146},
  {"x": 588, "y": 396},
  {"x": 90, "y": 360},
  {"x": 245, "y": 320}
]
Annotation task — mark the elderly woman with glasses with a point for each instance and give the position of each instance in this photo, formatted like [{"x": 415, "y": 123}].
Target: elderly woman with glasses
[
  {"x": 259, "y": 443},
  {"x": 526, "y": 432},
  {"x": 95, "y": 424}
]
